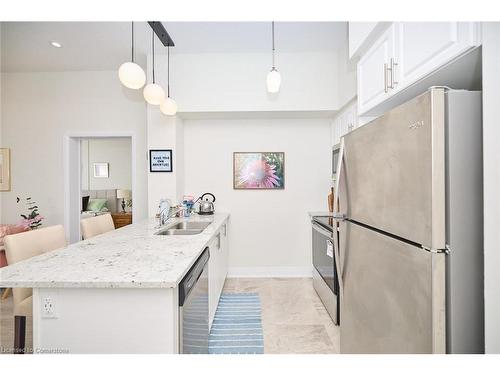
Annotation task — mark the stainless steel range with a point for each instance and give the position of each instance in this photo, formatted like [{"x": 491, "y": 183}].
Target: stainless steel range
[{"x": 325, "y": 279}]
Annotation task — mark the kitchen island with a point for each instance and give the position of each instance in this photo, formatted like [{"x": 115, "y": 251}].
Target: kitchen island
[{"x": 117, "y": 292}]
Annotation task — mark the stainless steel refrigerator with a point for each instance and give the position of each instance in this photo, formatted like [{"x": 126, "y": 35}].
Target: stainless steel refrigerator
[{"x": 410, "y": 220}]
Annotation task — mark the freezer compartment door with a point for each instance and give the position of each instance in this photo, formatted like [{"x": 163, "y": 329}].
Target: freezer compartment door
[
  {"x": 393, "y": 172},
  {"x": 392, "y": 298}
]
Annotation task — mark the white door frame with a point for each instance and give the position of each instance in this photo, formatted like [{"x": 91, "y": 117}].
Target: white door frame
[{"x": 71, "y": 157}]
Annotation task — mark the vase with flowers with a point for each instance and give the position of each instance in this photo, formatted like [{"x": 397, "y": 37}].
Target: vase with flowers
[{"x": 32, "y": 219}]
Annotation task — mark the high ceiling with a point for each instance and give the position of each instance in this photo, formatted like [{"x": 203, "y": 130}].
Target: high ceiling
[{"x": 105, "y": 45}]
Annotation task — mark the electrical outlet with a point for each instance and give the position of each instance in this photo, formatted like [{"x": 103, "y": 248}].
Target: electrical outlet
[{"x": 49, "y": 308}]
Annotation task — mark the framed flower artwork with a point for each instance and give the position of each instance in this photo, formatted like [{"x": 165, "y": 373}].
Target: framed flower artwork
[{"x": 259, "y": 170}]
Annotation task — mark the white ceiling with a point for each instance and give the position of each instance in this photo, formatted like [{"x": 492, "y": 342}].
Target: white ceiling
[{"x": 105, "y": 45}]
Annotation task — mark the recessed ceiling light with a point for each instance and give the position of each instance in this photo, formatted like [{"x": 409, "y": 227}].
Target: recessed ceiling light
[{"x": 55, "y": 44}]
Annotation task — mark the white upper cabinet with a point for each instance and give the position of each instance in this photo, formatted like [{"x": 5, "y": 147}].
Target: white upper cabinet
[
  {"x": 408, "y": 52},
  {"x": 425, "y": 46},
  {"x": 362, "y": 35},
  {"x": 351, "y": 118},
  {"x": 372, "y": 71},
  {"x": 345, "y": 122}
]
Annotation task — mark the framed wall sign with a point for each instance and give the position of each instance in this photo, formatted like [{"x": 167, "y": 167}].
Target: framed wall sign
[
  {"x": 4, "y": 169},
  {"x": 259, "y": 170},
  {"x": 160, "y": 161},
  {"x": 101, "y": 170}
]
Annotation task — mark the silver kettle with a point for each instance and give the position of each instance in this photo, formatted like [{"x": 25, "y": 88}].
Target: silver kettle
[{"x": 206, "y": 204}]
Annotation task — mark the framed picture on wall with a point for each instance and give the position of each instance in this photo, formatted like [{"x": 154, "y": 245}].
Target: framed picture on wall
[
  {"x": 101, "y": 170},
  {"x": 160, "y": 161},
  {"x": 259, "y": 170},
  {"x": 4, "y": 169}
]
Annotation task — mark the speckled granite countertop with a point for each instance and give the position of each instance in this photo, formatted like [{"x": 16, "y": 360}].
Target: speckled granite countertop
[{"x": 129, "y": 257}]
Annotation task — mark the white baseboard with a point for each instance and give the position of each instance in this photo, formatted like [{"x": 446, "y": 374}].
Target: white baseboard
[{"x": 269, "y": 272}]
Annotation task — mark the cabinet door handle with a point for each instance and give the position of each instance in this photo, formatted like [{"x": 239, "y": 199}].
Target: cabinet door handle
[
  {"x": 393, "y": 73},
  {"x": 385, "y": 78},
  {"x": 392, "y": 69}
]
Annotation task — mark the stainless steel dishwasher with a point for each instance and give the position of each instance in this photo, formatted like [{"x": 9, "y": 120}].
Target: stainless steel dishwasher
[{"x": 193, "y": 308}]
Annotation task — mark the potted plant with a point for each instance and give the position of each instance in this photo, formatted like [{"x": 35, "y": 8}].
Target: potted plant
[{"x": 32, "y": 219}]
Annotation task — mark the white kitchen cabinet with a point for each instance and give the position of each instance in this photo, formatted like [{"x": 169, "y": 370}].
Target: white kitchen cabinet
[
  {"x": 350, "y": 118},
  {"x": 372, "y": 71},
  {"x": 217, "y": 269},
  {"x": 362, "y": 35},
  {"x": 406, "y": 53},
  {"x": 425, "y": 46},
  {"x": 225, "y": 253},
  {"x": 345, "y": 122}
]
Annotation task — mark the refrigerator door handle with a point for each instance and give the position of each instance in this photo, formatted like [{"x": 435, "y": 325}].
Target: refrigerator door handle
[
  {"x": 338, "y": 269},
  {"x": 339, "y": 216},
  {"x": 340, "y": 162}
]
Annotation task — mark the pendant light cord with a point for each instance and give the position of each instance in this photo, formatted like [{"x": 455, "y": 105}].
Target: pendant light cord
[
  {"x": 132, "y": 41},
  {"x": 272, "y": 25},
  {"x": 153, "y": 48},
  {"x": 168, "y": 71}
]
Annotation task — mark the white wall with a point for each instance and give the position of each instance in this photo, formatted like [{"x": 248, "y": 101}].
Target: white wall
[
  {"x": 39, "y": 109},
  {"x": 218, "y": 82},
  {"x": 236, "y": 83},
  {"x": 165, "y": 133},
  {"x": 117, "y": 152},
  {"x": 269, "y": 229},
  {"x": 491, "y": 141},
  {"x": 346, "y": 76}
]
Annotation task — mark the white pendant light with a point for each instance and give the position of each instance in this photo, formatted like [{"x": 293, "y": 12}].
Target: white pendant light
[
  {"x": 169, "y": 106},
  {"x": 273, "y": 77},
  {"x": 154, "y": 93},
  {"x": 273, "y": 81},
  {"x": 131, "y": 75}
]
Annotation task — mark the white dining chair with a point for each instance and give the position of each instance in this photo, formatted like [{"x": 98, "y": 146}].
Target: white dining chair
[
  {"x": 19, "y": 247},
  {"x": 93, "y": 226}
]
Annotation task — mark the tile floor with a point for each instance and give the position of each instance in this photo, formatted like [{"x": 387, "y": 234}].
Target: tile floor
[{"x": 293, "y": 318}]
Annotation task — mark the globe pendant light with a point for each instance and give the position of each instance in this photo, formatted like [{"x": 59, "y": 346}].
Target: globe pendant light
[
  {"x": 273, "y": 77},
  {"x": 169, "y": 106},
  {"x": 154, "y": 93},
  {"x": 131, "y": 75}
]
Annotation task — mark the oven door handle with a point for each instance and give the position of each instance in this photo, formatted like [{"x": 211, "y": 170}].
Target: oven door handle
[{"x": 321, "y": 230}]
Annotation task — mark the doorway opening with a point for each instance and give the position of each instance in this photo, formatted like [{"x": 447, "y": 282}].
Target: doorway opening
[{"x": 99, "y": 177}]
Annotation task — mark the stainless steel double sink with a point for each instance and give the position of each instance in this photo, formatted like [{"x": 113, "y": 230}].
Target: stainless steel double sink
[{"x": 184, "y": 228}]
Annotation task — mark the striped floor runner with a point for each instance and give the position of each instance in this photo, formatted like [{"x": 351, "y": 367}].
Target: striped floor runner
[{"x": 237, "y": 326}]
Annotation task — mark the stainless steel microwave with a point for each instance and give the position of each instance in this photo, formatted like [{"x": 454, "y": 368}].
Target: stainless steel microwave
[{"x": 335, "y": 160}]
